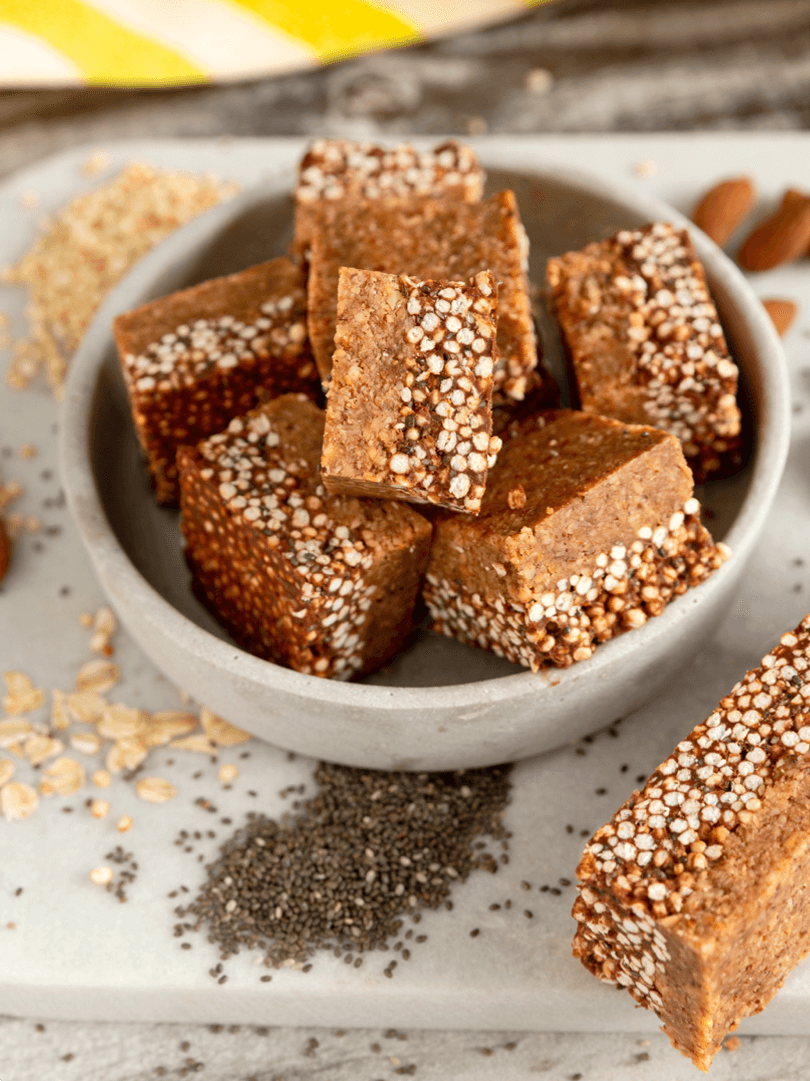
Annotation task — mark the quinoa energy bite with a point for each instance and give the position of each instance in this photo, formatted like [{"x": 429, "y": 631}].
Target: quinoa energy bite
[
  {"x": 334, "y": 169},
  {"x": 408, "y": 414},
  {"x": 428, "y": 239},
  {"x": 645, "y": 342},
  {"x": 323, "y": 584},
  {"x": 587, "y": 528},
  {"x": 197, "y": 358},
  {"x": 696, "y": 895}
]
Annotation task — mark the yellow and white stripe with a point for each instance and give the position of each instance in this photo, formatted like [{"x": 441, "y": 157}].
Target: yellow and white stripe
[{"x": 181, "y": 42}]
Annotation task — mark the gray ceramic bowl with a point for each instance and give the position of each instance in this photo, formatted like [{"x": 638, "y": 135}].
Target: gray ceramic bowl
[{"x": 441, "y": 705}]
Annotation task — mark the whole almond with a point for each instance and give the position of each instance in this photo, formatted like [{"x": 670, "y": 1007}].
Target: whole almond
[
  {"x": 782, "y": 313},
  {"x": 792, "y": 196},
  {"x": 724, "y": 207},
  {"x": 781, "y": 238}
]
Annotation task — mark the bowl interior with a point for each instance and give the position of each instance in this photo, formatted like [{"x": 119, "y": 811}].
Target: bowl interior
[{"x": 558, "y": 216}]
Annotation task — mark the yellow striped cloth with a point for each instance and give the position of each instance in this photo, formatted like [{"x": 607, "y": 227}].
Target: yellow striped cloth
[{"x": 179, "y": 42}]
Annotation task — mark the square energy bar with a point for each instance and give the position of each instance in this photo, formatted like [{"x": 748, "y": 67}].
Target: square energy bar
[
  {"x": 645, "y": 342},
  {"x": 587, "y": 528},
  {"x": 695, "y": 897},
  {"x": 334, "y": 169},
  {"x": 323, "y": 584},
  {"x": 429, "y": 239},
  {"x": 197, "y": 358},
  {"x": 409, "y": 410}
]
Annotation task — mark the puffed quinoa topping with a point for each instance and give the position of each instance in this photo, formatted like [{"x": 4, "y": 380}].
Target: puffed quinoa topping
[
  {"x": 564, "y": 625},
  {"x": 451, "y": 367},
  {"x": 662, "y": 312},
  {"x": 335, "y": 168},
  {"x": 641, "y": 867}
]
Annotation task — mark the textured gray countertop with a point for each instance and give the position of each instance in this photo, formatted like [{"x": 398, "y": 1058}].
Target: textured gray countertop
[{"x": 574, "y": 66}]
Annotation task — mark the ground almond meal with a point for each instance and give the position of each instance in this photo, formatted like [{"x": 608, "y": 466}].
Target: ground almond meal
[{"x": 86, "y": 249}]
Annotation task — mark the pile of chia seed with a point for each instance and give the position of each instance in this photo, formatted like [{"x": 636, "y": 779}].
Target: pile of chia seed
[{"x": 369, "y": 849}]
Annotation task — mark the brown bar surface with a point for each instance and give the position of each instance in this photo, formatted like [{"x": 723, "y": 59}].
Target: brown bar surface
[
  {"x": 334, "y": 169},
  {"x": 429, "y": 239},
  {"x": 696, "y": 895},
  {"x": 408, "y": 414},
  {"x": 197, "y": 358},
  {"x": 587, "y": 528},
  {"x": 645, "y": 342},
  {"x": 323, "y": 584}
]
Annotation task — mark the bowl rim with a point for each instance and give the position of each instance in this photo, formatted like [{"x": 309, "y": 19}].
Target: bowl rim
[{"x": 112, "y": 564}]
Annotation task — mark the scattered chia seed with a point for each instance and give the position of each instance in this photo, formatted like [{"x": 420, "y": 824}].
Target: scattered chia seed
[
  {"x": 367, "y": 850},
  {"x": 126, "y": 876}
]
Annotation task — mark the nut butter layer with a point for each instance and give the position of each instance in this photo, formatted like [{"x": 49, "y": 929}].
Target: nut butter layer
[
  {"x": 197, "y": 358},
  {"x": 429, "y": 239},
  {"x": 587, "y": 528},
  {"x": 334, "y": 169},
  {"x": 408, "y": 414},
  {"x": 645, "y": 342},
  {"x": 696, "y": 895},
  {"x": 323, "y": 584}
]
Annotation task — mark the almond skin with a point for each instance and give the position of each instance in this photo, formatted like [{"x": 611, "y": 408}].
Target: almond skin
[
  {"x": 724, "y": 207},
  {"x": 782, "y": 313},
  {"x": 781, "y": 238}
]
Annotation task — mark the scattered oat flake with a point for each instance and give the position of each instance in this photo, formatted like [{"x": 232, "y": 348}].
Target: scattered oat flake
[
  {"x": 18, "y": 801},
  {"x": 38, "y": 748},
  {"x": 28, "y": 450},
  {"x": 8, "y": 492},
  {"x": 155, "y": 790},
  {"x": 166, "y": 724},
  {"x": 85, "y": 249},
  {"x": 198, "y": 744},
  {"x": 23, "y": 696},
  {"x": 29, "y": 200},
  {"x": 86, "y": 619},
  {"x": 121, "y": 722},
  {"x": 86, "y": 706},
  {"x": 228, "y": 772},
  {"x": 59, "y": 711},
  {"x": 6, "y": 770},
  {"x": 102, "y": 778},
  {"x": 101, "y": 876},
  {"x": 14, "y": 525},
  {"x": 63, "y": 777},
  {"x": 85, "y": 742},
  {"x": 13, "y": 730},
  {"x": 95, "y": 163},
  {"x": 124, "y": 823},
  {"x": 99, "y": 808},
  {"x": 98, "y": 676},
  {"x": 221, "y": 732},
  {"x": 539, "y": 81},
  {"x": 104, "y": 625},
  {"x": 645, "y": 168},
  {"x": 126, "y": 753}
]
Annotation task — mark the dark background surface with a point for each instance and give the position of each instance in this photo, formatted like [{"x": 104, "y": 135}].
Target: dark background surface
[{"x": 568, "y": 66}]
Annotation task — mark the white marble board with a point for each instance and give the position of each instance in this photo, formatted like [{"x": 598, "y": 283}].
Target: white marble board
[{"x": 75, "y": 953}]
